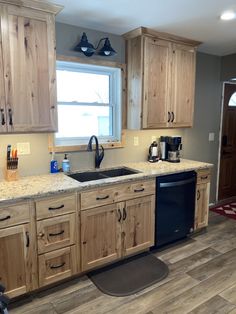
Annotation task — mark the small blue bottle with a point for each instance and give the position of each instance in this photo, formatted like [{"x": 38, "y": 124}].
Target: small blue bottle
[{"x": 53, "y": 165}]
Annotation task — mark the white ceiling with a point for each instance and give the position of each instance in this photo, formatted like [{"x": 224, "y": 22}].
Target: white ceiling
[{"x": 194, "y": 19}]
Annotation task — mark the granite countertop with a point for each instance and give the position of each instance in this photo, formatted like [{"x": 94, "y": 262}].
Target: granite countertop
[{"x": 45, "y": 185}]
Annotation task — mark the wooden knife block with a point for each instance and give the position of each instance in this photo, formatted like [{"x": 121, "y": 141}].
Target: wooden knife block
[{"x": 11, "y": 174}]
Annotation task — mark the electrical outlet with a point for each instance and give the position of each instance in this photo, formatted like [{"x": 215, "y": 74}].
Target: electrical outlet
[
  {"x": 211, "y": 137},
  {"x": 136, "y": 141},
  {"x": 23, "y": 148},
  {"x": 154, "y": 138}
]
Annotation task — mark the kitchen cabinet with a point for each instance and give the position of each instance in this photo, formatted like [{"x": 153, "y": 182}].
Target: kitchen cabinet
[
  {"x": 161, "y": 79},
  {"x": 100, "y": 235},
  {"x": 57, "y": 238},
  {"x": 18, "y": 267},
  {"x": 115, "y": 230},
  {"x": 27, "y": 79},
  {"x": 202, "y": 199}
]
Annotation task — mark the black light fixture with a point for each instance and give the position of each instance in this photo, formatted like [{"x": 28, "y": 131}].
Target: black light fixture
[{"x": 88, "y": 49}]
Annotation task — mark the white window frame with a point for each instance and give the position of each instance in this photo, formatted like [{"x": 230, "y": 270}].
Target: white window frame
[{"x": 117, "y": 91}]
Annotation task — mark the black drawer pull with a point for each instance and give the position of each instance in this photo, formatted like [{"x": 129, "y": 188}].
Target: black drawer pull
[
  {"x": 198, "y": 195},
  {"x": 139, "y": 190},
  {"x": 56, "y": 234},
  {"x": 5, "y": 218},
  {"x": 57, "y": 266},
  {"x": 204, "y": 177},
  {"x": 2, "y": 116},
  {"x": 27, "y": 239},
  {"x": 120, "y": 215},
  {"x": 102, "y": 198},
  {"x": 168, "y": 116},
  {"x": 124, "y": 214},
  {"x": 55, "y": 208},
  {"x": 10, "y": 117}
]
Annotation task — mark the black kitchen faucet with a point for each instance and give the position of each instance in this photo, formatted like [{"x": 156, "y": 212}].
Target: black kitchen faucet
[{"x": 99, "y": 153}]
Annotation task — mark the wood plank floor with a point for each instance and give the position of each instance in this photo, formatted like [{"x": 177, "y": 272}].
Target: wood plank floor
[{"x": 202, "y": 280}]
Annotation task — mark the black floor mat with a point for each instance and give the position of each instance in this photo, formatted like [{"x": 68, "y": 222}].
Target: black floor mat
[{"x": 129, "y": 276}]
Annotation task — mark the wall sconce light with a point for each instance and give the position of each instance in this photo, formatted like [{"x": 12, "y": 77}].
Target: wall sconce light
[{"x": 88, "y": 49}]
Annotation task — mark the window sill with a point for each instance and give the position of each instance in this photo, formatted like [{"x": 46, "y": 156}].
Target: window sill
[{"x": 81, "y": 148}]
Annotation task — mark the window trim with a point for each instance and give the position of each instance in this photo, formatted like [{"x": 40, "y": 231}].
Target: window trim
[{"x": 109, "y": 145}]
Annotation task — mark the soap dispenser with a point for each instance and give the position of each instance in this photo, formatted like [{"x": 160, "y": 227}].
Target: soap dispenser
[{"x": 65, "y": 164}]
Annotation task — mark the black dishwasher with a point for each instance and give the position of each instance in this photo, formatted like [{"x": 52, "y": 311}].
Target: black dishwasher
[{"x": 175, "y": 204}]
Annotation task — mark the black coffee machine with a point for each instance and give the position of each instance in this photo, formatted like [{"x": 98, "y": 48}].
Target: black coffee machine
[{"x": 173, "y": 145}]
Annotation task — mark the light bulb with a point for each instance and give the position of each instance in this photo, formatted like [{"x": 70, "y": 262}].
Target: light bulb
[
  {"x": 84, "y": 49},
  {"x": 107, "y": 53},
  {"x": 227, "y": 16}
]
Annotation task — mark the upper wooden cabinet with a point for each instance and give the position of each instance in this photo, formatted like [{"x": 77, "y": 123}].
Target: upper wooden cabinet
[
  {"x": 161, "y": 80},
  {"x": 27, "y": 64}
]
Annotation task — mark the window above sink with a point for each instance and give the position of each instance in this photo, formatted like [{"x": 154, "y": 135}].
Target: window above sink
[{"x": 89, "y": 102}]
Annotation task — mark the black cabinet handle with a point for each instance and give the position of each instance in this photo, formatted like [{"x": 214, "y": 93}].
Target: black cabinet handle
[
  {"x": 55, "y": 208},
  {"x": 102, "y": 198},
  {"x": 2, "y": 117},
  {"x": 5, "y": 218},
  {"x": 120, "y": 215},
  {"x": 204, "y": 177},
  {"x": 57, "y": 266},
  {"x": 124, "y": 214},
  {"x": 198, "y": 195},
  {"x": 168, "y": 116},
  {"x": 56, "y": 234},
  {"x": 27, "y": 239},
  {"x": 173, "y": 116},
  {"x": 10, "y": 116},
  {"x": 139, "y": 190}
]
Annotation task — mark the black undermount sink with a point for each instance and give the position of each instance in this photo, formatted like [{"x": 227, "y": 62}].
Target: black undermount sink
[{"x": 102, "y": 174}]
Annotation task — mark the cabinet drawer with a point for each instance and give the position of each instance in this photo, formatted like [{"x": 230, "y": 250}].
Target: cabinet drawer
[
  {"x": 55, "y": 206},
  {"x": 203, "y": 176},
  {"x": 55, "y": 233},
  {"x": 14, "y": 215},
  {"x": 116, "y": 193},
  {"x": 57, "y": 265}
]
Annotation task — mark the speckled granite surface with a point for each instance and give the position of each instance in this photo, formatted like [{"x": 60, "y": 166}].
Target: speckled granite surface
[{"x": 46, "y": 185}]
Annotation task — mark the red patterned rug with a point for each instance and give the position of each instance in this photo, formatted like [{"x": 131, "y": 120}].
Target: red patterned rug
[{"x": 228, "y": 210}]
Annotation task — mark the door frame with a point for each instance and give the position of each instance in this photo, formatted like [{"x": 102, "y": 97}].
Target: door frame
[{"x": 220, "y": 135}]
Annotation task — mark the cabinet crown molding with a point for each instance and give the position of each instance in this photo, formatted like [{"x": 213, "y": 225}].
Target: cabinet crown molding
[
  {"x": 35, "y": 4},
  {"x": 145, "y": 31}
]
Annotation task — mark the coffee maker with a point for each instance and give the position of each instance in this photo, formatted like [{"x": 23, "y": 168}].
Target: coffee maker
[{"x": 173, "y": 147}]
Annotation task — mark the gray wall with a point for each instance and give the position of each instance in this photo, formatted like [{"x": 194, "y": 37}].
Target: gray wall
[
  {"x": 206, "y": 116},
  {"x": 228, "y": 67},
  {"x": 68, "y": 36}
]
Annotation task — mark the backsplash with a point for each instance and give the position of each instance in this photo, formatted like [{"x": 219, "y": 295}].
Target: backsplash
[{"x": 37, "y": 162}]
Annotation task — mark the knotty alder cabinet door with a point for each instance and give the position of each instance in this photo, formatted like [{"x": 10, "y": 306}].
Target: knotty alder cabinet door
[
  {"x": 113, "y": 231},
  {"x": 182, "y": 86},
  {"x": 28, "y": 54},
  {"x": 15, "y": 274},
  {"x": 202, "y": 199},
  {"x": 161, "y": 80}
]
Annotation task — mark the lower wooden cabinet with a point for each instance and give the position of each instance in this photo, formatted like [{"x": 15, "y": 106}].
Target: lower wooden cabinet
[
  {"x": 57, "y": 265},
  {"x": 15, "y": 260},
  {"x": 100, "y": 235},
  {"x": 138, "y": 225},
  {"x": 202, "y": 199},
  {"x": 113, "y": 231}
]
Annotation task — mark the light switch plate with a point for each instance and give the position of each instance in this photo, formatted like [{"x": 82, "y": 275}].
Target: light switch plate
[
  {"x": 136, "y": 141},
  {"x": 23, "y": 148},
  {"x": 211, "y": 137}
]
